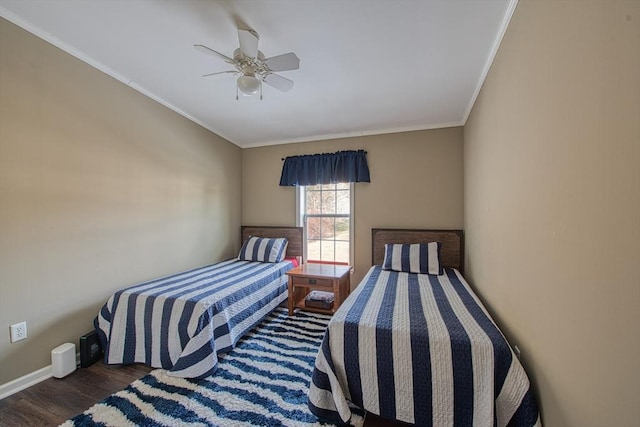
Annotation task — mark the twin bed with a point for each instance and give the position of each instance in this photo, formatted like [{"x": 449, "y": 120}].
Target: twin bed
[
  {"x": 411, "y": 343},
  {"x": 184, "y": 321},
  {"x": 419, "y": 347}
]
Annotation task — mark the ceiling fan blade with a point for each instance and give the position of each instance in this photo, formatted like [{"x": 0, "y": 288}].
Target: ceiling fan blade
[
  {"x": 278, "y": 82},
  {"x": 220, "y": 74},
  {"x": 212, "y": 52},
  {"x": 284, "y": 62},
  {"x": 248, "y": 43}
]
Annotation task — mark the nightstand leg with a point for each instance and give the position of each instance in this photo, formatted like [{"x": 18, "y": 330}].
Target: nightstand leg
[{"x": 291, "y": 301}]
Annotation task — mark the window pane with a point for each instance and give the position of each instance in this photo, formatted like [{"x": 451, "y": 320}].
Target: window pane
[
  {"x": 327, "y": 228},
  {"x": 313, "y": 228},
  {"x": 313, "y": 250},
  {"x": 343, "y": 201},
  {"x": 313, "y": 201},
  {"x": 343, "y": 186},
  {"x": 327, "y": 250},
  {"x": 342, "y": 252},
  {"x": 328, "y": 202},
  {"x": 326, "y": 187},
  {"x": 342, "y": 229}
]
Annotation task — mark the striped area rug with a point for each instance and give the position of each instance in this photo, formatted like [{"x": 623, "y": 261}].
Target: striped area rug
[{"x": 262, "y": 382}]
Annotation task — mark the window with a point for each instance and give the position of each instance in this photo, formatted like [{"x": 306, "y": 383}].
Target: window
[{"x": 325, "y": 212}]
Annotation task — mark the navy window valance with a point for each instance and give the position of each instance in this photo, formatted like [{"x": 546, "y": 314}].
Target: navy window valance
[{"x": 327, "y": 168}]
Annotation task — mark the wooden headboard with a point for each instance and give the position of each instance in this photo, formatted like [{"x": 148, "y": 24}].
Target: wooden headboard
[
  {"x": 293, "y": 234},
  {"x": 451, "y": 251}
]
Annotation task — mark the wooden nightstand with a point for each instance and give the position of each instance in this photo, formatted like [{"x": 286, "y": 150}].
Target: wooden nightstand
[{"x": 323, "y": 277}]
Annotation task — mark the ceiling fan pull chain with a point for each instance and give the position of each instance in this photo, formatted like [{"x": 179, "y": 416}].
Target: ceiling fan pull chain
[
  {"x": 236, "y": 92},
  {"x": 260, "y": 90}
]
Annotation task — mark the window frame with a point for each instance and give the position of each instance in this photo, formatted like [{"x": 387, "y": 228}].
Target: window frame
[{"x": 301, "y": 214}]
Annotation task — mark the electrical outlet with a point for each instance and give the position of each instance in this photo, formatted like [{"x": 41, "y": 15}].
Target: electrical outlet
[{"x": 18, "y": 331}]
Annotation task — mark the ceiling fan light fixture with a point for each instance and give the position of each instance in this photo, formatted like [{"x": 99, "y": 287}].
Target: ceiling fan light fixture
[{"x": 248, "y": 85}]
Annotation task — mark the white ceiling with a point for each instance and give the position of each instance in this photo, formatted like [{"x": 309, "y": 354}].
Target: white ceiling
[{"x": 366, "y": 66}]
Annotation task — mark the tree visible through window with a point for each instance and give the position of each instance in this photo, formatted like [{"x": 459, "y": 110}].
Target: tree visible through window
[{"x": 326, "y": 216}]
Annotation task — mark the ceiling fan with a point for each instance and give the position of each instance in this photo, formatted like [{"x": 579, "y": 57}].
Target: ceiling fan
[{"x": 252, "y": 67}]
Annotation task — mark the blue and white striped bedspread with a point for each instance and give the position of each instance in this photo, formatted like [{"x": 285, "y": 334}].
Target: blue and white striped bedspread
[
  {"x": 183, "y": 321},
  {"x": 420, "y": 349}
]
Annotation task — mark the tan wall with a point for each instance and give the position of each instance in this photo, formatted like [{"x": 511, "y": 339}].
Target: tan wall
[
  {"x": 416, "y": 181},
  {"x": 552, "y": 204},
  {"x": 100, "y": 187}
]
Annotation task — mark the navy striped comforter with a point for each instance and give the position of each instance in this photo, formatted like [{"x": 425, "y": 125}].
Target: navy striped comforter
[
  {"x": 420, "y": 349},
  {"x": 183, "y": 321}
]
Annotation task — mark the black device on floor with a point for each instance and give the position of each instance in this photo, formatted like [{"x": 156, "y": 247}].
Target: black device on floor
[{"x": 90, "y": 350}]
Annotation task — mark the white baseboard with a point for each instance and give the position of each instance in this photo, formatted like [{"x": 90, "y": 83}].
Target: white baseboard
[{"x": 26, "y": 381}]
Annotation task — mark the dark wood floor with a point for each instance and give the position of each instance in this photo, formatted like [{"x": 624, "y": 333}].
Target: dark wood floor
[{"x": 54, "y": 401}]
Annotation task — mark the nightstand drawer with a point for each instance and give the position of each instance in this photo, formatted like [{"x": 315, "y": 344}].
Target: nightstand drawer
[{"x": 304, "y": 281}]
